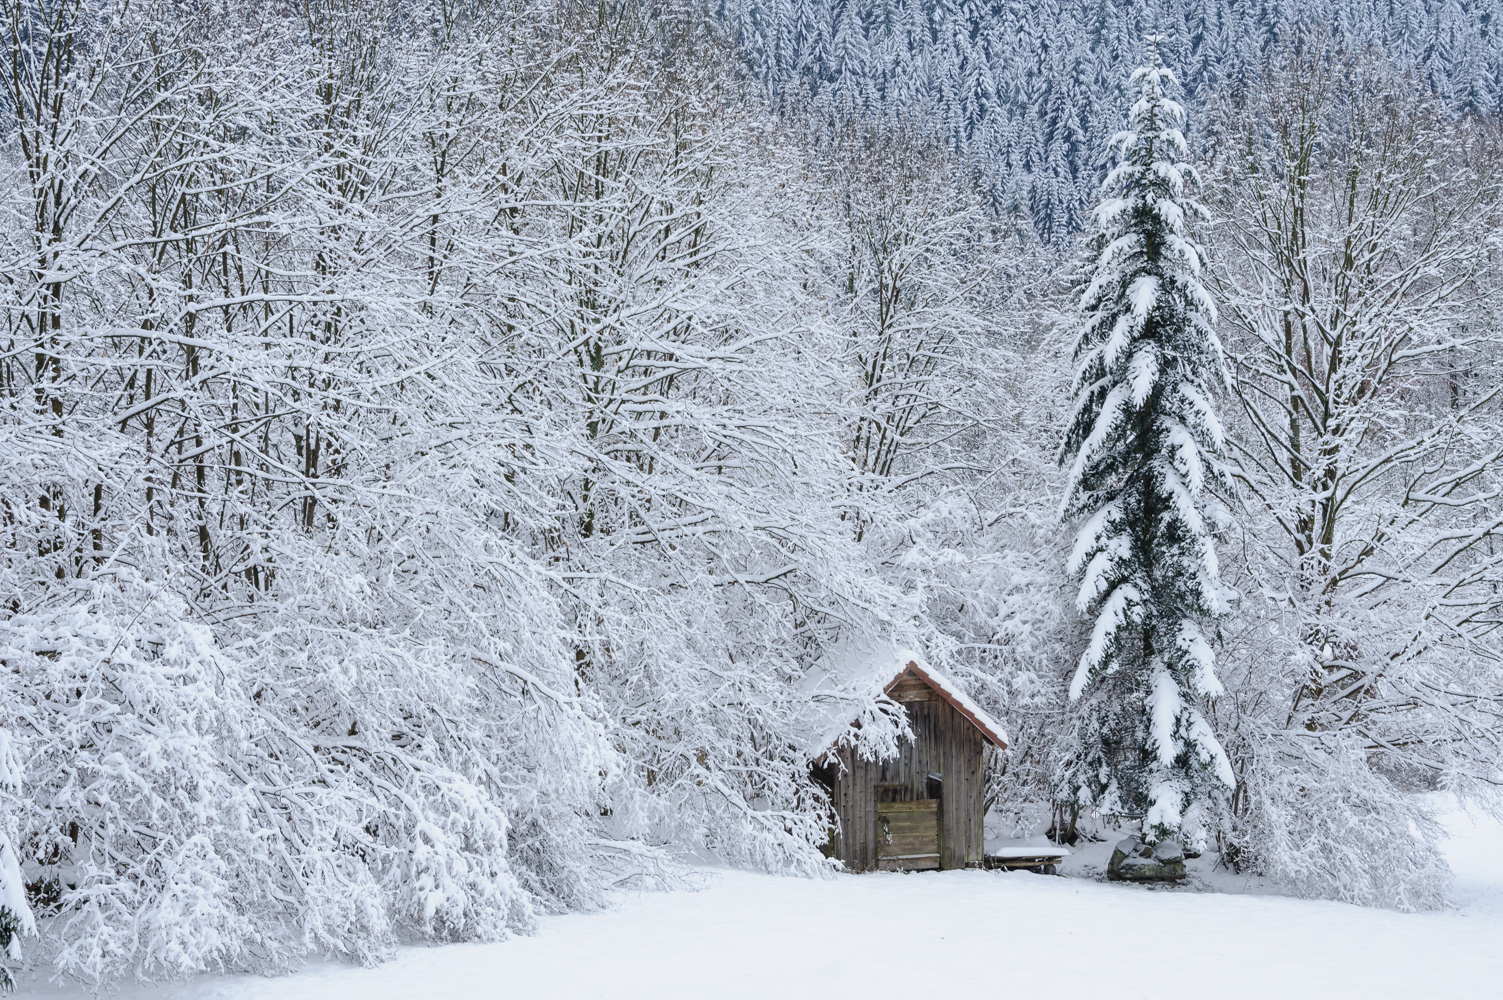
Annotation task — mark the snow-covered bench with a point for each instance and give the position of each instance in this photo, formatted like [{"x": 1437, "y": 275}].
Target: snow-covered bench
[{"x": 1031, "y": 858}]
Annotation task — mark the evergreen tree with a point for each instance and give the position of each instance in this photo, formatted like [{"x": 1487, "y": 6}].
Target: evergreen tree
[
  {"x": 923, "y": 62},
  {"x": 1143, "y": 444}
]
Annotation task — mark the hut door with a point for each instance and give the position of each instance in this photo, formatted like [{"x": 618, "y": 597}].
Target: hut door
[{"x": 908, "y": 835}]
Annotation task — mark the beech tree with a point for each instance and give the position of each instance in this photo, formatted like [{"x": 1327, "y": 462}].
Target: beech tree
[
  {"x": 915, "y": 257},
  {"x": 1358, "y": 259}
]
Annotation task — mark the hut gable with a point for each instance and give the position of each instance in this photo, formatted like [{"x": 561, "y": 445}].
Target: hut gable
[{"x": 921, "y": 683}]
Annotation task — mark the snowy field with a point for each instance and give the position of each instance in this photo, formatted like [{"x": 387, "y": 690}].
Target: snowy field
[{"x": 1002, "y": 934}]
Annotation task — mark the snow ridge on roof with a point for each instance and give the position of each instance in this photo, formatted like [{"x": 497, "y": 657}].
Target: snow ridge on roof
[{"x": 852, "y": 673}]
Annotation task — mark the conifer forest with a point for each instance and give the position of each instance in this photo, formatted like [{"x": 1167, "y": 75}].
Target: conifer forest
[{"x": 442, "y": 443}]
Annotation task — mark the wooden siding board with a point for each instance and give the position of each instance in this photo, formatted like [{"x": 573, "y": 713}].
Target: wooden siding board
[
  {"x": 840, "y": 803},
  {"x": 959, "y": 746},
  {"x": 953, "y": 796},
  {"x": 868, "y": 826},
  {"x": 910, "y": 687},
  {"x": 867, "y": 820}
]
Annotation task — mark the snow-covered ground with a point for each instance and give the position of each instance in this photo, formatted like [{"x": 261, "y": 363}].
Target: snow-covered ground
[{"x": 1002, "y": 934}]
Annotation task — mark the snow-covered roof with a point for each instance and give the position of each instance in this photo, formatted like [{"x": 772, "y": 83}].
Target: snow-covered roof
[
  {"x": 957, "y": 698},
  {"x": 847, "y": 677}
]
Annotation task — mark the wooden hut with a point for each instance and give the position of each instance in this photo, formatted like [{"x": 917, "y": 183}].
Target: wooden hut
[{"x": 923, "y": 808}]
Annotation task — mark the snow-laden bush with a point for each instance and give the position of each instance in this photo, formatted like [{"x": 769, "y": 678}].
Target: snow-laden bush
[
  {"x": 16, "y": 920},
  {"x": 1318, "y": 819},
  {"x": 132, "y": 723},
  {"x": 186, "y": 817}
]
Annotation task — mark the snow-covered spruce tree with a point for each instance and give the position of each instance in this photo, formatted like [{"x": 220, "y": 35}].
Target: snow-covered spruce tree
[{"x": 1143, "y": 443}]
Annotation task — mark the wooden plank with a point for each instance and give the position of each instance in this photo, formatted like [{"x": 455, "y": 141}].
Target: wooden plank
[
  {"x": 923, "y": 717},
  {"x": 924, "y": 863},
  {"x": 917, "y": 863},
  {"x": 953, "y": 792},
  {"x": 863, "y": 815},
  {"x": 975, "y": 839},
  {"x": 908, "y": 835},
  {"x": 869, "y": 811},
  {"x": 960, "y": 748},
  {"x": 856, "y": 844},
  {"x": 842, "y": 803},
  {"x": 961, "y": 807},
  {"x": 906, "y": 822},
  {"x": 852, "y": 817},
  {"x": 1044, "y": 864},
  {"x": 910, "y": 813},
  {"x": 916, "y": 808}
]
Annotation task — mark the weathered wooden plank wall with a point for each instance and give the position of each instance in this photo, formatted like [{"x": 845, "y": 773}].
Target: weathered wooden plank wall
[
  {"x": 945, "y": 742},
  {"x": 962, "y": 802},
  {"x": 855, "y": 807}
]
